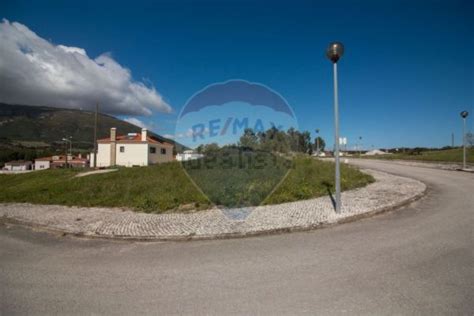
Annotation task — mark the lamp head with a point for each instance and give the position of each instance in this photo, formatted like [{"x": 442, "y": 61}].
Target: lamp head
[
  {"x": 464, "y": 114},
  {"x": 335, "y": 51}
]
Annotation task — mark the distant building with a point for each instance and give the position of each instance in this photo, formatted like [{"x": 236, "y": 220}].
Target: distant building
[
  {"x": 188, "y": 155},
  {"x": 59, "y": 161},
  {"x": 376, "y": 152},
  {"x": 133, "y": 149},
  {"x": 18, "y": 165},
  {"x": 320, "y": 154}
]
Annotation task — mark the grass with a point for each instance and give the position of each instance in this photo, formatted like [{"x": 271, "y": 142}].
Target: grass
[
  {"x": 235, "y": 178},
  {"x": 312, "y": 178},
  {"x": 448, "y": 155},
  {"x": 167, "y": 187},
  {"x": 159, "y": 187}
]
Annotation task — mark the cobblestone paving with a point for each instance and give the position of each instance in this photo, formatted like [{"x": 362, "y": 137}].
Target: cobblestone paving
[{"x": 388, "y": 191}]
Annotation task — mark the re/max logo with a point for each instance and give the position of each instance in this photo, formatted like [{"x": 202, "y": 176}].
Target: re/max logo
[{"x": 218, "y": 127}]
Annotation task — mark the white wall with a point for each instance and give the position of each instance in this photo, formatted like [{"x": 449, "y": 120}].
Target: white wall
[
  {"x": 103, "y": 155},
  {"x": 134, "y": 155},
  {"x": 42, "y": 164},
  {"x": 16, "y": 168}
]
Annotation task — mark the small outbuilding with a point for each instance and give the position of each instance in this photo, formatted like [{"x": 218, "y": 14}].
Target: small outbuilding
[
  {"x": 18, "y": 165},
  {"x": 188, "y": 155}
]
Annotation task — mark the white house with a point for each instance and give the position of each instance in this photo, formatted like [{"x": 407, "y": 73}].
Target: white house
[
  {"x": 188, "y": 155},
  {"x": 133, "y": 149}
]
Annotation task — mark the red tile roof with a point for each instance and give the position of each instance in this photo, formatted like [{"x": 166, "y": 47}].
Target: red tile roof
[
  {"x": 134, "y": 138},
  {"x": 18, "y": 162},
  {"x": 63, "y": 159}
]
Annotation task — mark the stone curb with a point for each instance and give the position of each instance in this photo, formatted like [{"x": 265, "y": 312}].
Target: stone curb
[{"x": 298, "y": 228}]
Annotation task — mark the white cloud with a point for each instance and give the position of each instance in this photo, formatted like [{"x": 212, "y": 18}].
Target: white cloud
[
  {"x": 34, "y": 71},
  {"x": 169, "y": 136}
]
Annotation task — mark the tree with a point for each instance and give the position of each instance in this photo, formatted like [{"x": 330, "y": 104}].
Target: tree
[
  {"x": 200, "y": 149},
  {"x": 322, "y": 143},
  {"x": 210, "y": 148},
  {"x": 275, "y": 140},
  {"x": 249, "y": 139},
  {"x": 293, "y": 139},
  {"x": 304, "y": 142}
]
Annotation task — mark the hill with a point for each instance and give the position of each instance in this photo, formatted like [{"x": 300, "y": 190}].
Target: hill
[
  {"x": 40, "y": 124},
  {"x": 29, "y": 131}
]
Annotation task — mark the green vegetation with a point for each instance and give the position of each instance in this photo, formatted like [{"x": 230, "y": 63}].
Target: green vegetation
[
  {"x": 313, "y": 178},
  {"x": 166, "y": 187},
  {"x": 446, "y": 155},
  {"x": 160, "y": 187}
]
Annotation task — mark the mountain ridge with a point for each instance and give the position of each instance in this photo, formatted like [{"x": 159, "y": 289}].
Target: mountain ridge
[{"x": 43, "y": 126}]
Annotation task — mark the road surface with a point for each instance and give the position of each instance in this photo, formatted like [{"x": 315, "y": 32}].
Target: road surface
[{"x": 417, "y": 260}]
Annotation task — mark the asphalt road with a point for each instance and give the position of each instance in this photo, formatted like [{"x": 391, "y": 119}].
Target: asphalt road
[{"x": 417, "y": 260}]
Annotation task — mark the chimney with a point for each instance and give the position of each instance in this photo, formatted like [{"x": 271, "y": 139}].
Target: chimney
[
  {"x": 113, "y": 134},
  {"x": 144, "y": 134},
  {"x": 113, "y": 146}
]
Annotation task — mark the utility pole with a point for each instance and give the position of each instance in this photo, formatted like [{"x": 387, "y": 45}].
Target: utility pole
[
  {"x": 317, "y": 142},
  {"x": 65, "y": 151},
  {"x": 452, "y": 140},
  {"x": 95, "y": 134}
]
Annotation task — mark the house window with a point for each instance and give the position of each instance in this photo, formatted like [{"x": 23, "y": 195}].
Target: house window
[
  {"x": 163, "y": 151},
  {"x": 122, "y": 149},
  {"x": 152, "y": 150}
]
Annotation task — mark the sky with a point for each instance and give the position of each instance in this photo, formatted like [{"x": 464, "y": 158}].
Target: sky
[{"x": 406, "y": 74}]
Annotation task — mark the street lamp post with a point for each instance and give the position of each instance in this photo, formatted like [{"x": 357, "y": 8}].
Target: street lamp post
[
  {"x": 464, "y": 114},
  {"x": 70, "y": 147},
  {"x": 334, "y": 53}
]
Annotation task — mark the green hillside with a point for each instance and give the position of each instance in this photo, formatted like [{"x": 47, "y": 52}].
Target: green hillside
[{"x": 30, "y": 131}]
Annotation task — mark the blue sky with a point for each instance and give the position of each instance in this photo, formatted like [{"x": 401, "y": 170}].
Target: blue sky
[{"x": 407, "y": 72}]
